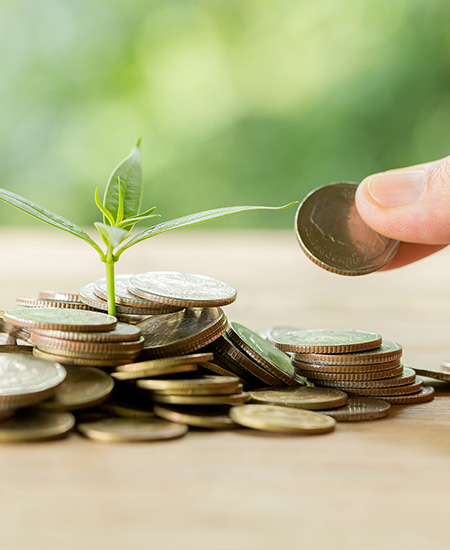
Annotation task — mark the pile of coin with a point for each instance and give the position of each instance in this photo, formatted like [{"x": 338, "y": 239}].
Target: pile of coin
[{"x": 358, "y": 362}]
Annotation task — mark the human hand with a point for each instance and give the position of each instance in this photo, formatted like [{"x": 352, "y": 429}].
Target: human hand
[{"x": 411, "y": 205}]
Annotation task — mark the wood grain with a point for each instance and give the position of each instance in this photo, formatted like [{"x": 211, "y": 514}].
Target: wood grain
[{"x": 381, "y": 484}]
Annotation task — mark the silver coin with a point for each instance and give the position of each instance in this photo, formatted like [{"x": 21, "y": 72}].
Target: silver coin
[
  {"x": 182, "y": 289},
  {"x": 124, "y": 296},
  {"x": 334, "y": 236},
  {"x": 25, "y": 380}
]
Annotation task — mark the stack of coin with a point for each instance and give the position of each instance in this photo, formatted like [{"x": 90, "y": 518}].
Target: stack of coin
[
  {"x": 357, "y": 362},
  {"x": 254, "y": 359}
]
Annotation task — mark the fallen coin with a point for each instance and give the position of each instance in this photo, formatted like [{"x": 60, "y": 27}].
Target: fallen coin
[
  {"x": 232, "y": 399},
  {"x": 333, "y": 235},
  {"x": 360, "y": 408},
  {"x": 199, "y": 385},
  {"x": 439, "y": 373},
  {"x": 25, "y": 380},
  {"x": 36, "y": 425},
  {"x": 199, "y": 417},
  {"x": 182, "y": 289},
  {"x": 83, "y": 387},
  {"x": 150, "y": 371},
  {"x": 282, "y": 419},
  {"x": 324, "y": 341},
  {"x": 131, "y": 429},
  {"x": 60, "y": 319},
  {"x": 424, "y": 395},
  {"x": 301, "y": 398}
]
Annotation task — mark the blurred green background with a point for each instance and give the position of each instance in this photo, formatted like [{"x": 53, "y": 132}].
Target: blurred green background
[{"x": 237, "y": 101}]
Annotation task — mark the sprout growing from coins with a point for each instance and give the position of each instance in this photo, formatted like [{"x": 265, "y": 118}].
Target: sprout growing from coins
[{"x": 121, "y": 209}]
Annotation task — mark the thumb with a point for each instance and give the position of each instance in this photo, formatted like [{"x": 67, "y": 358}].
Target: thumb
[{"x": 410, "y": 204}]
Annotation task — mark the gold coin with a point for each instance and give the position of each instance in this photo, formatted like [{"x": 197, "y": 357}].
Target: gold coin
[
  {"x": 439, "y": 373},
  {"x": 132, "y": 429},
  {"x": 79, "y": 361},
  {"x": 193, "y": 359},
  {"x": 324, "y": 340},
  {"x": 63, "y": 304},
  {"x": 407, "y": 377},
  {"x": 199, "y": 417},
  {"x": 199, "y": 391},
  {"x": 60, "y": 296},
  {"x": 182, "y": 289},
  {"x": 127, "y": 355},
  {"x": 360, "y": 408},
  {"x": 83, "y": 387},
  {"x": 150, "y": 371},
  {"x": 87, "y": 347},
  {"x": 126, "y": 411},
  {"x": 36, "y": 425},
  {"x": 385, "y": 392},
  {"x": 17, "y": 348},
  {"x": 207, "y": 384},
  {"x": 425, "y": 394},
  {"x": 232, "y": 399},
  {"x": 121, "y": 333},
  {"x": 60, "y": 319},
  {"x": 387, "y": 351},
  {"x": 301, "y": 398},
  {"x": 6, "y": 412},
  {"x": 25, "y": 380},
  {"x": 210, "y": 366},
  {"x": 350, "y": 374},
  {"x": 282, "y": 419}
]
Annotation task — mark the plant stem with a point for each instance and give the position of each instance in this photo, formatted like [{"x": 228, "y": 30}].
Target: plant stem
[{"x": 110, "y": 286}]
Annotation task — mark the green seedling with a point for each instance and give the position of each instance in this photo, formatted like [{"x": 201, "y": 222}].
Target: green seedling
[{"x": 121, "y": 209}]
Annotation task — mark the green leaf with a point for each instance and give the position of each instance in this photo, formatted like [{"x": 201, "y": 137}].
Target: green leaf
[
  {"x": 120, "y": 208},
  {"x": 132, "y": 221},
  {"x": 147, "y": 212},
  {"x": 130, "y": 173},
  {"x": 47, "y": 216},
  {"x": 106, "y": 213},
  {"x": 112, "y": 236},
  {"x": 192, "y": 219}
]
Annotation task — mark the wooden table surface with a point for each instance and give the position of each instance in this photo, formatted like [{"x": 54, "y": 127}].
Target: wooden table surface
[{"x": 380, "y": 484}]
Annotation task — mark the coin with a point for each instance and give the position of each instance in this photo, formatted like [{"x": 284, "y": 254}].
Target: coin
[
  {"x": 191, "y": 359},
  {"x": 182, "y": 289},
  {"x": 231, "y": 399},
  {"x": 324, "y": 341},
  {"x": 83, "y": 387},
  {"x": 439, "y": 373},
  {"x": 17, "y": 348},
  {"x": 408, "y": 376},
  {"x": 385, "y": 392},
  {"x": 36, "y": 425},
  {"x": 81, "y": 361},
  {"x": 209, "y": 366},
  {"x": 301, "y": 398},
  {"x": 58, "y": 319},
  {"x": 44, "y": 302},
  {"x": 265, "y": 354},
  {"x": 87, "y": 347},
  {"x": 25, "y": 380},
  {"x": 386, "y": 352},
  {"x": 364, "y": 371},
  {"x": 333, "y": 235},
  {"x": 124, "y": 297},
  {"x": 282, "y": 419},
  {"x": 199, "y": 417},
  {"x": 351, "y": 376},
  {"x": 132, "y": 429},
  {"x": 199, "y": 385},
  {"x": 152, "y": 370},
  {"x": 6, "y": 412},
  {"x": 90, "y": 298},
  {"x": 127, "y": 355},
  {"x": 126, "y": 411},
  {"x": 425, "y": 394},
  {"x": 60, "y": 296},
  {"x": 360, "y": 408},
  {"x": 121, "y": 333},
  {"x": 186, "y": 329}
]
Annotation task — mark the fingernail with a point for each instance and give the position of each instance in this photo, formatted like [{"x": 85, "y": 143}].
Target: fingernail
[{"x": 397, "y": 188}]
